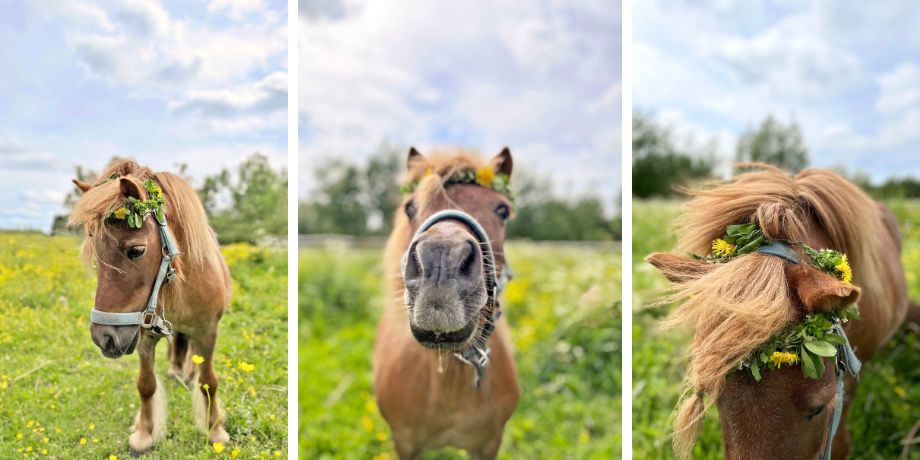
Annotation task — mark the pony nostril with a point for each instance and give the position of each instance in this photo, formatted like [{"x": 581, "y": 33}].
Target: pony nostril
[
  {"x": 468, "y": 257},
  {"x": 413, "y": 269},
  {"x": 108, "y": 342}
]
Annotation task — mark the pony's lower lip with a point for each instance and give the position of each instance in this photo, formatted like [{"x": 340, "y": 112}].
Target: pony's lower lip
[{"x": 452, "y": 340}]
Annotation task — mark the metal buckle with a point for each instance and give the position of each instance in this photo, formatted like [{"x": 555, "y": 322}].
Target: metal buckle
[{"x": 156, "y": 325}]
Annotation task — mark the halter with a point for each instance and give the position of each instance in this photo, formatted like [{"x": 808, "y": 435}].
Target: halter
[
  {"x": 846, "y": 359},
  {"x": 477, "y": 353},
  {"x": 155, "y": 323}
]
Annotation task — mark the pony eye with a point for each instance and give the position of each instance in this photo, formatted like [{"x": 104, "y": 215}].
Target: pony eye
[
  {"x": 135, "y": 252},
  {"x": 410, "y": 209},
  {"x": 814, "y": 412},
  {"x": 503, "y": 211}
]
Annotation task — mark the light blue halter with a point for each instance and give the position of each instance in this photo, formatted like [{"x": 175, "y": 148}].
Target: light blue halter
[
  {"x": 846, "y": 360},
  {"x": 148, "y": 319},
  {"x": 477, "y": 353}
]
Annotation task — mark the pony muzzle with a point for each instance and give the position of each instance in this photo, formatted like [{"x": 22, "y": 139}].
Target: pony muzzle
[
  {"x": 444, "y": 340},
  {"x": 115, "y": 341}
]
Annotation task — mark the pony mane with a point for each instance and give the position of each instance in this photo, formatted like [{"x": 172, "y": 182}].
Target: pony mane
[
  {"x": 732, "y": 318},
  {"x": 184, "y": 212}
]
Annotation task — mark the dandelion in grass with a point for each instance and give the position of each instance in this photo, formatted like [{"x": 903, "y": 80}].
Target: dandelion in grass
[
  {"x": 112, "y": 457},
  {"x": 485, "y": 175},
  {"x": 246, "y": 367},
  {"x": 218, "y": 447},
  {"x": 381, "y": 436},
  {"x": 197, "y": 359},
  {"x": 277, "y": 454},
  {"x": 234, "y": 453},
  {"x": 18, "y": 435},
  {"x": 82, "y": 441},
  {"x": 778, "y": 358}
]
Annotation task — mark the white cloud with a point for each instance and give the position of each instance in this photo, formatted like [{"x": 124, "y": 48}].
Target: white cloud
[
  {"x": 264, "y": 96},
  {"x": 899, "y": 89},
  {"x": 236, "y": 9}
]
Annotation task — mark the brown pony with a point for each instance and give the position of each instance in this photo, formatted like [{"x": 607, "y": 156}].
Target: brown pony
[
  {"x": 431, "y": 395},
  {"x": 128, "y": 261},
  {"x": 738, "y": 305}
]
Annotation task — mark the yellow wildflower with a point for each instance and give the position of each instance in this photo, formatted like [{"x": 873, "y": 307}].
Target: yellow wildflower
[
  {"x": 44, "y": 451},
  {"x": 246, "y": 367},
  {"x": 45, "y": 440},
  {"x": 112, "y": 457},
  {"x": 234, "y": 453},
  {"x": 277, "y": 454},
  {"x": 900, "y": 391},
  {"x": 381, "y": 436},
  {"x": 218, "y": 447},
  {"x": 82, "y": 441},
  {"x": 18, "y": 435},
  {"x": 484, "y": 176},
  {"x": 120, "y": 213},
  {"x": 722, "y": 248},
  {"x": 92, "y": 426},
  {"x": 778, "y": 358},
  {"x": 843, "y": 268},
  {"x": 197, "y": 359},
  {"x": 367, "y": 424}
]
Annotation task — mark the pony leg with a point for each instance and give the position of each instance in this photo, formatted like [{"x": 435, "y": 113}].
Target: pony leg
[
  {"x": 180, "y": 365},
  {"x": 208, "y": 413},
  {"x": 150, "y": 423},
  {"x": 489, "y": 450}
]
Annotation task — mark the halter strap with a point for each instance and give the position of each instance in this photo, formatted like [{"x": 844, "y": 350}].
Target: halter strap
[
  {"x": 477, "y": 353},
  {"x": 148, "y": 318},
  {"x": 781, "y": 250},
  {"x": 846, "y": 362}
]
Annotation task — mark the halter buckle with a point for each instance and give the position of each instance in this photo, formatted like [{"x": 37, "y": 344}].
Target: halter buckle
[{"x": 156, "y": 325}]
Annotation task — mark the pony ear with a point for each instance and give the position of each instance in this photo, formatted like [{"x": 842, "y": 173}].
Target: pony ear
[
  {"x": 414, "y": 156},
  {"x": 130, "y": 188},
  {"x": 678, "y": 269},
  {"x": 818, "y": 291},
  {"x": 502, "y": 162},
  {"x": 83, "y": 186}
]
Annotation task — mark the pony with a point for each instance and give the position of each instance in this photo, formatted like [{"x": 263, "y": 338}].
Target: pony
[
  {"x": 444, "y": 373},
  {"x": 185, "y": 304},
  {"x": 738, "y": 305}
]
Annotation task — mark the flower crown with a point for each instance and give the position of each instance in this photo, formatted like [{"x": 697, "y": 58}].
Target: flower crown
[
  {"x": 484, "y": 176},
  {"x": 134, "y": 211},
  {"x": 805, "y": 343}
]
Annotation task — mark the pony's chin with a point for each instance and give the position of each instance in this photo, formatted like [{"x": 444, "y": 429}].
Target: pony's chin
[
  {"x": 446, "y": 341},
  {"x": 119, "y": 353}
]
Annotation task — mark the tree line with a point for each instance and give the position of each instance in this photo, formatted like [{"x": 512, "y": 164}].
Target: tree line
[
  {"x": 662, "y": 162},
  {"x": 360, "y": 200}
]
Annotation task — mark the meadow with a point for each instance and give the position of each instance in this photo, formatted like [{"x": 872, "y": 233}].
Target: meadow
[
  {"x": 887, "y": 404},
  {"x": 564, "y": 311},
  {"x": 59, "y": 398}
]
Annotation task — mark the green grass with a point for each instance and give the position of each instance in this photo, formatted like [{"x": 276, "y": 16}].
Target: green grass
[
  {"x": 887, "y": 404},
  {"x": 564, "y": 311},
  {"x": 56, "y": 389}
]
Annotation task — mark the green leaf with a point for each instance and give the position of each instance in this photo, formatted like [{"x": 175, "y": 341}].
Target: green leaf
[
  {"x": 755, "y": 369},
  {"x": 808, "y": 366},
  {"x": 821, "y": 348}
]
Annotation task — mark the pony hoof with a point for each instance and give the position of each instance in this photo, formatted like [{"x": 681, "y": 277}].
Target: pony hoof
[
  {"x": 219, "y": 434},
  {"x": 139, "y": 443}
]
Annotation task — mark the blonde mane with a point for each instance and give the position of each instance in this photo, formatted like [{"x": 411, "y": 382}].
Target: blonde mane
[
  {"x": 732, "y": 317},
  {"x": 184, "y": 213}
]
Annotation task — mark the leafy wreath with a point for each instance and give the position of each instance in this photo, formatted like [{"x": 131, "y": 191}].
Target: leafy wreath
[
  {"x": 134, "y": 211},
  {"x": 485, "y": 176}
]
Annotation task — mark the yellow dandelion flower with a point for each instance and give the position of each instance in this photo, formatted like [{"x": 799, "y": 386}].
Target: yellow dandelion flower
[
  {"x": 844, "y": 270},
  {"x": 234, "y": 453},
  {"x": 900, "y": 391},
  {"x": 778, "y": 358},
  {"x": 197, "y": 359},
  {"x": 206, "y": 386},
  {"x": 277, "y": 454},
  {"x": 30, "y": 424},
  {"x": 485, "y": 175},
  {"x": 271, "y": 417},
  {"x": 120, "y": 213},
  {"x": 95, "y": 440},
  {"x": 82, "y": 441},
  {"x": 18, "y": 435},
  {"x": 218, "y": 447},
  {"x": 722, "y": 248},
  {"x": 29, "y": 449},
  {"x": 381, "y": 436},
  {"x": 92, "y": 426},
  {"x": 45, "y": 440},
  {"x": 371, "y": 406},
  {"x": 246, "y": 367},
  {"x": 252, "y": 391},
  {"x": 428, "y": 172},
  {"x": 367, "y": 424},
  {"x": 44, "y": 451},
  {"x": 112, "y": 457}
]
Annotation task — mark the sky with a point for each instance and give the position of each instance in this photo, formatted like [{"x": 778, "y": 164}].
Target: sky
[
  {"x": 541, "y": 77},
  {"x": 848, "y": 74},
  {"x": 202, "y": 83}
]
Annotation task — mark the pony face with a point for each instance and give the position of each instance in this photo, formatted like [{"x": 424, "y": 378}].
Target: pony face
[
  {"x": 127, "y": 261},
  {"x": 784, "y": 414},
  {"x": 444, "y": 269}
]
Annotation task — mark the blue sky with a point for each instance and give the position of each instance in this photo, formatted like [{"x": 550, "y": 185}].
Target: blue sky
[
  {"x": 197, "y": 82},
  {"x": 542, "y": 77},
  {"x": 848, "y": 72}
]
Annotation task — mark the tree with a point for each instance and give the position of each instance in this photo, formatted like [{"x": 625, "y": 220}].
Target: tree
[
  {"x": 659, "y": 164},
  {"x": 248, "y": 205},
  {"x": 774, "y": 143}
]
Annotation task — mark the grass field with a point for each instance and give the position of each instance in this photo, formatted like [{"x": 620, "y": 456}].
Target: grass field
[
  {"x": 59, "y": 398},
  {"x": 564, "y": 311},
  {"x": 887, "y": 404}
]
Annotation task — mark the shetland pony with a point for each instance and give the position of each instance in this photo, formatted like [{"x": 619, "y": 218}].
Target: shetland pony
[
  {"x": 738, "y": 305},
  {"x": 428, "y": 388},
  {"x": 128, "y": 262}
]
